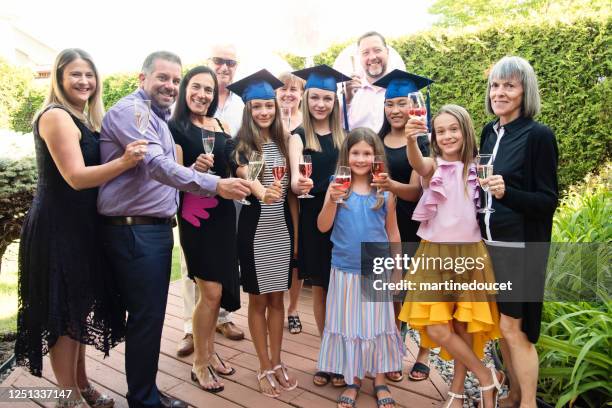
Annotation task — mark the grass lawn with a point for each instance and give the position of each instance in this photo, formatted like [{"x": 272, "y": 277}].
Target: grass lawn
[{"x": 8, "y": 285}]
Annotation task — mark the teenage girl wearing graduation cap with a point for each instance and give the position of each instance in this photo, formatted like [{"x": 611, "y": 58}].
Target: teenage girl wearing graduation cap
[
  {"x": 265, "y": 230},
  {"x": 463, "y": 322},
  {"x": 320, "y": 137},
  {"x": 400, "y": 179}
]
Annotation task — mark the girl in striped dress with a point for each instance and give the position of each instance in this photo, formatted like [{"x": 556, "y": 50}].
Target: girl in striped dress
[{"x": 360, "y": 336}]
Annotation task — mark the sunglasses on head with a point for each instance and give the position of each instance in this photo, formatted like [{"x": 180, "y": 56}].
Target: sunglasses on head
[{"x": 220, "y": 61}]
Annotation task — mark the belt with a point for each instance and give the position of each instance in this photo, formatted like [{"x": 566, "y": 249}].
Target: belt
[{"x": 139, "y": 220}]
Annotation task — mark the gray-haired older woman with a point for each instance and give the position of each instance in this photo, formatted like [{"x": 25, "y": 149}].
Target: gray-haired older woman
[{"x": 523, "y": 193}]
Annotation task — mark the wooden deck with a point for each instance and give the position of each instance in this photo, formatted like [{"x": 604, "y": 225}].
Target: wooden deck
[{"x": 300, "y": 353}]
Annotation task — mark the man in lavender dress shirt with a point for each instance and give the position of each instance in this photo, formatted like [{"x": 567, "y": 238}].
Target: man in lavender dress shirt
[{"x": 139, "y": 207}]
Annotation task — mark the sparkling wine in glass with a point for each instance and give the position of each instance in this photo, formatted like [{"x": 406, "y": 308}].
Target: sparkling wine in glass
[
  {"x": 142, "y": 113},
  {"x": 417, "y": 108},
  {"x": 279, "y": 169},
  {"x": 256, "y": 163},
  {"x": 343, "y": 177},
  {"x": 286, "y": 116},
  {"x": 306, "y": 170},
  {"x": 208, "y": 141},
  {"x": 378, "y": 166},
  {"x": 484, "y": 168}
]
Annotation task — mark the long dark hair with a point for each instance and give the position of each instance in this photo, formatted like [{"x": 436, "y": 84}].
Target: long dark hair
[
  {"x": 385, "y": 128},
  {"x": 181, "y": 110}
]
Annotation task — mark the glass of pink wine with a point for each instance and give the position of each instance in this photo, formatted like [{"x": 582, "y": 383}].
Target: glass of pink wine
[
  {"x": 306, "y": 170},
  {"x": 343, "y": 177},
  {"x": 378, "y": 166},
  {"x": 417, "y": 109},
  {"x": 279, "y": 168}
]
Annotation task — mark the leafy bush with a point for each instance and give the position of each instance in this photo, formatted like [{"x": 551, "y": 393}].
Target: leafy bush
[
  {"x": 14, "y": 83},
  {"x": 17, "y": 187},
  {"x": 572, "y": 61},
  {"x": 117, "y": 86},
  {"x": 21, "y": 118}
]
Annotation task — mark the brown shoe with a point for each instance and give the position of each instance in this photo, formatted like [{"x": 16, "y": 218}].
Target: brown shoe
[
  {"x": 230, "y": 331},
  {"x": 185, "y": 346}
]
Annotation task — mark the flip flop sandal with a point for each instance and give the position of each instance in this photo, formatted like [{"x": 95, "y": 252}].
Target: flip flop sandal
[
  {"x": 419, "y": 368},
  {"x": 294, "y": 324},
  {"x": 337, "y": 380},
  {"x": 232, "y": 371},
  {"x": 343, "y": 399},
  {"x": 395, "y": 379},
  {"x": 324, "y": 375},
  {"x": 383, "y": 401},
  {"x": 213, "y": 377},
  {"x": 283, "y": 369},
  {"x": 268, "y": 375}
]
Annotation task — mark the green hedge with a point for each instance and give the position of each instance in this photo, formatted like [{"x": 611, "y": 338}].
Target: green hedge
[
  {"x": 573, "y": 63},
  {"x": 14, "y": 83}
]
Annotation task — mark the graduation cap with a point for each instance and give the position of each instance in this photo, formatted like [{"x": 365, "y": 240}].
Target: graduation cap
[
  {"x": 321, "y": 77},
  {"x": 260, "y": 85},
  {"x": 400, "y": 83}
]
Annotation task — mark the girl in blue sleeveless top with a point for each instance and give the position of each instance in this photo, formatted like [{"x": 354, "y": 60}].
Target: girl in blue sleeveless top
[{"x": 360, "y": 336}]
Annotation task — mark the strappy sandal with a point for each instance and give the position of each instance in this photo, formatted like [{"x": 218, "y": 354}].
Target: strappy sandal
[
  {"x": 343, "y": 399},
  {"x": 96, "y": 399},
  {"x": 453, "y": 397},
  {"x": 214, "y": 378},
  {"x": 321, "y": 374},
  {"x": 395, "y": 379},
  {"x": 419, "y": 368},
  {"x": 232, "y": 371},
  {"x": 268, "y": 375},
  {"x": 70, "y": 403},
  {"x": 386, "y": 400},
  {"x": 337, "y": 380},
  {"x": 497, "y": 385},
  {"x": 295, "y": 324},
  {"x": 283, "y": 369}
]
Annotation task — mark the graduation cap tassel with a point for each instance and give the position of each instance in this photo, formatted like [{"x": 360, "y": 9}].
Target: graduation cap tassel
[{"x": 344, "y": 110}]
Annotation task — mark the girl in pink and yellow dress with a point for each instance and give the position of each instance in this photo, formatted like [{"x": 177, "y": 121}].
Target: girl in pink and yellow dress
[{"x": 460, "y": 322}]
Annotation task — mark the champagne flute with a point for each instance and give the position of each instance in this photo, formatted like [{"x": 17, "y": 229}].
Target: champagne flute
[
  {"x": 343, "y": 177},
  {"x": 378, "y": 166},
  {"x": 208, "y": 141},
  {"x": 279, "y": 168},
  {"x": 417, "y": 109},
  {"x": 306, "y": 170},
  {"x": 286, "y": 116},
  {"x": 256, "y": 163},
  {"x": 484, "y": 168}
]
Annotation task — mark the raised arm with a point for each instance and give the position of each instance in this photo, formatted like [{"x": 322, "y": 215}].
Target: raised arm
[
  {"x": 61, "y": 136},
  {"x": 424, "y": 166}
]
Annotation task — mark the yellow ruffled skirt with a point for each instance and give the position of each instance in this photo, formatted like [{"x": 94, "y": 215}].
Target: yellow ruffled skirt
[{"x": 477, "y": 309}]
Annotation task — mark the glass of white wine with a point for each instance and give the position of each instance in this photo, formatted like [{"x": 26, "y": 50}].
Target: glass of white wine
[
  {"x": 208, "y": 141},
  {"x": 484, "y": 168},
  {"x": 256, "y": 163}
]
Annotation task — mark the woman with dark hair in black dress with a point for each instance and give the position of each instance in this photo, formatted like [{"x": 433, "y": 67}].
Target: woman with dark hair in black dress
[
  {"x": 523, "y": 193},
  {"x": 206, "y": 224}
]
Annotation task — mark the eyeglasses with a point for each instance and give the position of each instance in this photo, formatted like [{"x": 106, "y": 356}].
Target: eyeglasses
[{"x": 220, "y": 61}]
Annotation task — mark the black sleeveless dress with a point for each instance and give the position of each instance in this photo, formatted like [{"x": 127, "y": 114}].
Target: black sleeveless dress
[
  {"x": 315, "y": 247},
  {"x": 207, "y": 224},
  {"x": 64, "y": 285}
]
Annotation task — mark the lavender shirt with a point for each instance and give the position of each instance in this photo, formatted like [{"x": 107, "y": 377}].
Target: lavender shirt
[{"x": 150, "y": 188}]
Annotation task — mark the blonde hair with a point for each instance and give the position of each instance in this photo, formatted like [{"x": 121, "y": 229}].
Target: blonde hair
[
  {"x": 468, "y": 150},
  {"x": 355, "y": 136},
  {"x": 94, "y": 109},
  {"x": 335, "y": 124},
  {"x": 287, "y": 78}
]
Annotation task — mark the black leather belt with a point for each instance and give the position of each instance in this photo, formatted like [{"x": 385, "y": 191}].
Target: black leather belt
[{"x": 139, "y": 220}]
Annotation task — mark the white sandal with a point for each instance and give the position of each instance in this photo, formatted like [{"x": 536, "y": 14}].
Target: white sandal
[
  {"x": 453, "y": 396},
  {"x": 268, "y": 375},
  {"x": 496, "y": 384},
  {"x": 285, "y": 377}
]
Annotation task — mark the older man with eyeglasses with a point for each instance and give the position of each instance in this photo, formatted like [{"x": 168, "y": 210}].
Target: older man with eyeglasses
[{"x": 224, "y": 62}]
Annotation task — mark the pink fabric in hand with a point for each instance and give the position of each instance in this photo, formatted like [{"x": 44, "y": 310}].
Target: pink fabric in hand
[{"x": 195, "y": 206}]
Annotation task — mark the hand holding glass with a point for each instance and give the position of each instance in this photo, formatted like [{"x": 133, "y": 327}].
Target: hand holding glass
[
  {"x": 306, "y": 170},
  {"x": 208, "y": 141},
  {"x": 343, "y": 177},
  {"x": 378, "y": 166},
  {"x": 417, "y": 109},
  {"x": 256, "y": 163}
]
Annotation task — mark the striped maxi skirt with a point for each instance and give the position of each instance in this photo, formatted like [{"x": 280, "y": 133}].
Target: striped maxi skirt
[{"x": 359, "y": 337}]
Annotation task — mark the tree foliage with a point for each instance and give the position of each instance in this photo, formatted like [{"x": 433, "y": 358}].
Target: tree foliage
[{"x": 14, "y": 84}]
